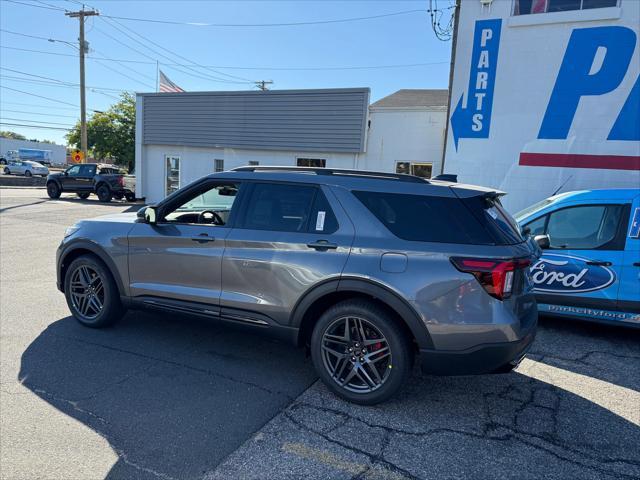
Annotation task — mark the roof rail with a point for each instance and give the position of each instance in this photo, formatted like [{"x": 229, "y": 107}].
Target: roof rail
[{"x": 333, "y": 171}]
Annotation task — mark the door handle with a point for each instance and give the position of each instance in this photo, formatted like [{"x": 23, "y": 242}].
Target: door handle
[
  {"x": 636, "y": 264},
  {"x": 203, "y": 238},
  {"x": 599, "y": 263},
  {"x": 322, "y": 245}
]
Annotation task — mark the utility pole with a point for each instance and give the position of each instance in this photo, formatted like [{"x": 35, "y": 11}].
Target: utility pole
[
  {"x": 262, "y": 84},
  {"x": 454, "y": 44},
  {"x": 80, "y": 15}
]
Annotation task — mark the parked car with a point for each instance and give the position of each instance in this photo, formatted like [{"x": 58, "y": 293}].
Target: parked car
[
  {"x": 365, "y": 268},
  {"x": 26, "y": 168},
  {"x": 105, "y": 181},
  {"x": 590, "y": 268}
]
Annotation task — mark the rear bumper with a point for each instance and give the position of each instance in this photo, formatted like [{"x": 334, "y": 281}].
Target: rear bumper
[{"x": 486, "y": 358}]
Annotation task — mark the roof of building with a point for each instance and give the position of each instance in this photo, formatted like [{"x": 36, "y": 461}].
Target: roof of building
[{"x": 414, "y": 98}]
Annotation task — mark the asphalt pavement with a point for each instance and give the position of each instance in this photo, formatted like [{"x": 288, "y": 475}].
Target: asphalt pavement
[{"x": 161, "y": 396}]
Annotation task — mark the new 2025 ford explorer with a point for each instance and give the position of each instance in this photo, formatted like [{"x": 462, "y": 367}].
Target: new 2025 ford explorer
[{"x": 366, "y": 269}]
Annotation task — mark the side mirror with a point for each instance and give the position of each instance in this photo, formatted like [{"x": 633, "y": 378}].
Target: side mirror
[
  {"x": 66, "y": 174},
  {"x": 147, "y": 215},
  {"x": 543, "y": 241}
]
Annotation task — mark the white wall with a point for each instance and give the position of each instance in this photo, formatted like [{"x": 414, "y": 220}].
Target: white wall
[
  {"x": 531, "y": 52},
  {"x": 198, "y": 162},
  {"x": 404, "y": 135},
  {"x": 58, "y": 152}
]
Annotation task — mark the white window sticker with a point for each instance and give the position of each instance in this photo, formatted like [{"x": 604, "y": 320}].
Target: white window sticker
[{"x": 320, "y": 220}]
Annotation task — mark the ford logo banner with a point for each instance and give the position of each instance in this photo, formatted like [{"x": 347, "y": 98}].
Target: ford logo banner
[{"x": 569, "y": 274}]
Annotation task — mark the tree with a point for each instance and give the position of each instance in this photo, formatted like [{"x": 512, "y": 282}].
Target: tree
[
  {"x": 111, "y": 134},
  {"x": 12, "y": 135}
]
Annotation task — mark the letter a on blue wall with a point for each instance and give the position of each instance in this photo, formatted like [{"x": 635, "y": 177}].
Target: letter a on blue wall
[
  {"x": 575, "y": 79},
  {"x": 474, "y": 120}
]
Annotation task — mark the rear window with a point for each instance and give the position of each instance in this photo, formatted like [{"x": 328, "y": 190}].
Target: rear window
[
  {"x": 425, "y": 218},
  {"x": 502, "y": 227}
]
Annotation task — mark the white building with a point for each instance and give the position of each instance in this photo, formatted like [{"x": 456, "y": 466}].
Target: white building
[
  {"x": 546, "y": 96},
  {"x": 406, "y": 132},
  {"x": 58, "y": 152},
  {"x": 181, "y": 137}
]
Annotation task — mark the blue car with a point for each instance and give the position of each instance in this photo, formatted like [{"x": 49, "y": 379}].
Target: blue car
[{"x": 590, "y": 267}]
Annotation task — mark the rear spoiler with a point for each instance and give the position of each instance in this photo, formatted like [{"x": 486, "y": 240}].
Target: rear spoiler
[{"x": 446, "y": 177}]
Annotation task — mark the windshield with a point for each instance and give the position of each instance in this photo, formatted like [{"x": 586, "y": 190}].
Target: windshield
[
  {"x": 522, "y": 214},
  {"x": 219, "y": 198}
]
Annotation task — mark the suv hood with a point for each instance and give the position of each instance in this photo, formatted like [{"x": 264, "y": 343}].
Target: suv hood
[{"x": 129, "y": 217}]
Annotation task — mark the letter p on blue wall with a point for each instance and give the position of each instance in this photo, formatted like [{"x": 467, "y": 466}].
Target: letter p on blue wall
[{"x": 576, "y": 80}]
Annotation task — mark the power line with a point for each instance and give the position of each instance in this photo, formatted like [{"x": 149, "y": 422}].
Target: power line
[
  {"x": 35, "y": 105},
  {"x": 182, "y": 56},
  {"x": 39, "y": 96},
  {"x": 50, "y": 80},
  {"x": 33, "y": 126},
  {"x": 2, "y": 109},
  {"x": 191, "y": 72},
  {"x": 37, "y": 6},
  {"x": 34, "y": 121},
  {"x": 48, "y": 39},
  {"x": 281, "y": 24},
  {"x": 230, "y": 67}
]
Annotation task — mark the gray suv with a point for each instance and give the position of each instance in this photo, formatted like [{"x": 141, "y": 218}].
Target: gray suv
[{"x": 368, "y": 270}]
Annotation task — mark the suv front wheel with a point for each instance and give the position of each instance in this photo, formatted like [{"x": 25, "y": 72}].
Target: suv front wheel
[
  {"x": 360, "y": 352},
  {"x": 91, "y": 292}
]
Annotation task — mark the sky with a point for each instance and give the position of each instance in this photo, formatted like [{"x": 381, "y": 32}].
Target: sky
[{"x": 206, "y": 57}]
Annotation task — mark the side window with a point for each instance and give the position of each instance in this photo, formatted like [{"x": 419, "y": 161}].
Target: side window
[
  {"x": 584, "y": 227},
  {"x": 322, "y": 218},
  {"x": 87, "y": 170},
  {"x": 74, "y": 171},
  {"x": 277, "y": 207},
  {"x": 537, "y": 226},
  {"x": 172, "y": 174},
  {"x": 209, "y": 205}
]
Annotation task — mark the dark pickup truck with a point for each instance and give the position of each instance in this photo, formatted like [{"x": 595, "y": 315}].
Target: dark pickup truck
[{"x": 105, "y": 181}]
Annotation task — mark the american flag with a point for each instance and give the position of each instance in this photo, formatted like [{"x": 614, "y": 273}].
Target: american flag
[{"x": 166, "y": 85}]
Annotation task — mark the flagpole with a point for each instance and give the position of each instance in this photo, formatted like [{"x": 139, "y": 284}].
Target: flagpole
[{"x": 157, "y": 76}]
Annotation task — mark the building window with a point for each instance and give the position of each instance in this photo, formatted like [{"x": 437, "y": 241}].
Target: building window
[
  {"x": 254, "y": 163},
  {"x": 172, "y": 171},
  {"x": 526, "y": 7},
  {"x": 311, "y": 162},
  {"x": 419, "y": 169},
  {"x": 218, "y": 165}
]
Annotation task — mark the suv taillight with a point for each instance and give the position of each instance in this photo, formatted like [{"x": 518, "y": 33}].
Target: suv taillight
[{"x": 495, "y": 276}]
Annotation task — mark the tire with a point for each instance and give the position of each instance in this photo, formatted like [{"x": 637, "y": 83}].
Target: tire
[
  {"x": 83, "y": 195},
  {"x": 87, "y": 275},
  {"x": 53, "y": 190},
  {"x": 27, "y": 173},
  {"x": 392, "y": 369},
  {"x": 131, "y": 197},
  {"x": 7, "y": 171},
  {"x": 104, "y": 193}
]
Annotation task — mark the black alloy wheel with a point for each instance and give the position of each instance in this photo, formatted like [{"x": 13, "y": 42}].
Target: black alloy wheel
[
  {"x": 87, "y": 292},
  {"x": 91, "y": 292},
  {"x": 356, "y": 354},
  {"x": 53, "y": 190},
  {"x": 361, "y": 352},
  {"x": 104, "y": 193}
]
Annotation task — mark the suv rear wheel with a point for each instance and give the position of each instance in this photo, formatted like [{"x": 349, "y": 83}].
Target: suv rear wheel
[
  {"x": 53, "y": 190},
  {"x": 104, "y": 193},
  {"x": 360, "y": 353},
  {"x": 91, "y": 292}
]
